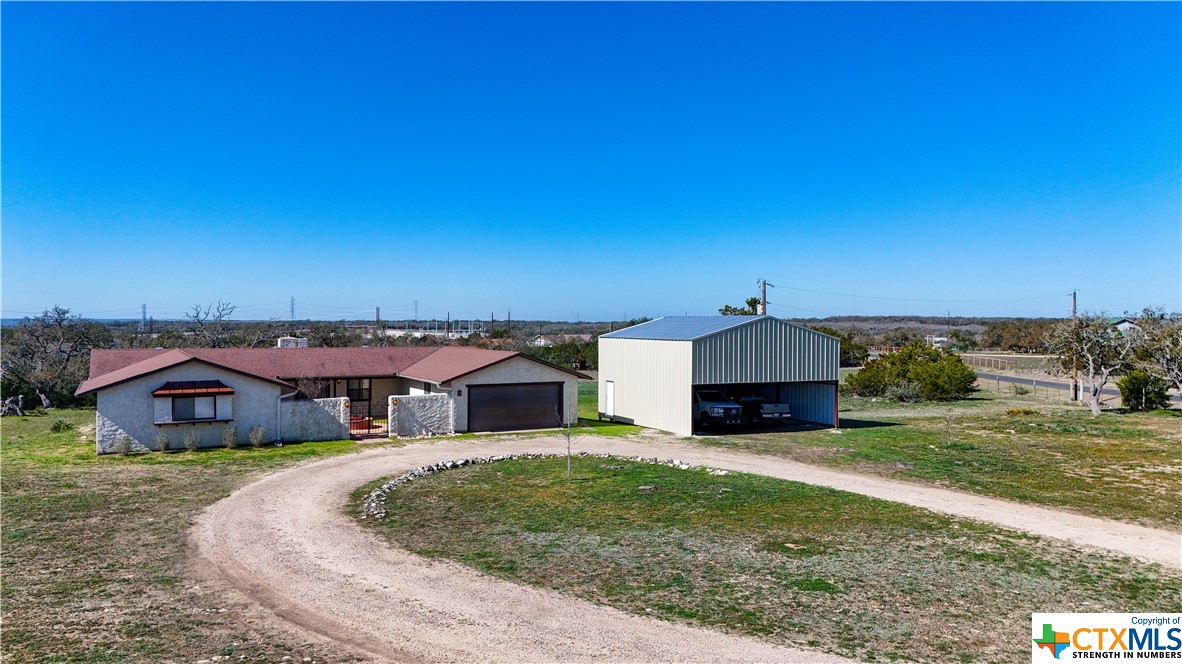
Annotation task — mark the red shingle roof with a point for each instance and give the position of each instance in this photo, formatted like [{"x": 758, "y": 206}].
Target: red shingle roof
[{"x": 436, "y": 365}]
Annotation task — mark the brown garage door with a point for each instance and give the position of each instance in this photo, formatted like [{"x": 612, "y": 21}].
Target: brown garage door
[{"x": 511, "y": 407}]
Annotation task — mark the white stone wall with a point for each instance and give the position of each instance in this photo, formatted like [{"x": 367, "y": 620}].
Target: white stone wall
[
  {"x": 421, "y": 415},
  {"x": 515, "y": 370},
  {"x": 128, "y": 409},
  {"x": 310, "y": 420}
]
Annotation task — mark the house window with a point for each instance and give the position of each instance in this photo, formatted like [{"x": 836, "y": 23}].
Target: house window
[
  {"x": 358, "y": 389},
  {"x": 194, "y": 408}
]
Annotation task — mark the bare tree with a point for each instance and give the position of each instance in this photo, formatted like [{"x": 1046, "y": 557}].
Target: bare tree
[
  {"x": 49, "y": 354},
  {"x": 567, "y": 433},
  {"x": 1100, "y": 348},
  {"x": 210, "y": 326},
  {"x": 1161, "y": 351},
  {"x": 310, "y": 387}
]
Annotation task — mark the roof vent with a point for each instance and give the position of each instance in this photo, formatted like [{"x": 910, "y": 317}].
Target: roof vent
[{"x": 292, "y": 342}]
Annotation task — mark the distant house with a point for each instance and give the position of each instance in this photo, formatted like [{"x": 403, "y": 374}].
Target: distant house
[
  {"x": 1123, "y": 324},
  {"x": 547, "y": 340},
  {"x": 299, "y": 393}
]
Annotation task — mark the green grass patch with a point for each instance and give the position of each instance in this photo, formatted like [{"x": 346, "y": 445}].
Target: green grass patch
[
  {"x": 94, "y": 563},
  {"x": 789, "y": 562}
]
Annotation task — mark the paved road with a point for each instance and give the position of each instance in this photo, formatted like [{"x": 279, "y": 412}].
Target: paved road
[{"x": 1054, "y": 384}]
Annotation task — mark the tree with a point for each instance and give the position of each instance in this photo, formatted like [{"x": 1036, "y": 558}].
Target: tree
[
  {"x": 1019, "y": 336},
  {"x": 1099, "y": 350},
  {"x": 751, "y": 309},
  {"x": 853, "y": 354},
  {"x": 915, "y": 371},
  {"x": 49, "y": 355},
  {"x": 1142, "y": 391},
  {"x": 1160, "y": 353},
  {"x": 962, "y": 340},
  {"x": 210, "y": 327}
]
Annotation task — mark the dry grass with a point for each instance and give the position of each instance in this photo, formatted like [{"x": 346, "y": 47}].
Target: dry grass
[{"x": 94, "y": 563}]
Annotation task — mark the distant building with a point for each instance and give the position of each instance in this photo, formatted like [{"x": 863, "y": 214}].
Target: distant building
[
  {"x": 1123, "y": 324},
  {"x": 938, "y": 342},
  {"x": 291, "y": 342},
  {"x": 547, "y": 340}
]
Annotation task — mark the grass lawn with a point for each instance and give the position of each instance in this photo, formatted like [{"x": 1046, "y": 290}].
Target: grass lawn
[
  {"x": 94, "y": 551},
  {"x": 1125, "y": 466},
  {"x": 784, "y": 561}
]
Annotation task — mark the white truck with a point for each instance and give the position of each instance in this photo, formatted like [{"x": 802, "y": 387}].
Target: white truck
[
  {"x": 757, "y": 410},
  {"x": 712, "y": 408}
]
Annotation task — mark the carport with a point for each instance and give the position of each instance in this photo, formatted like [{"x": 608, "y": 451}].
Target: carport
[{"x": 648, "y": 372}]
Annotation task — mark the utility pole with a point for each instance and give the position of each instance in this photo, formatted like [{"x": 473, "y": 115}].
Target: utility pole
[
  {"x": 447, "y": 327},
  {"x": 1074, "y": 363},
  {"x": 509, "y": 322},
  {"x": 763, "y": 284},
  {"x": 143, "y": 318},
  {"x": 293, "y": 308},
  {"x": 377, "y": 317},
  {"x": 492, "y": 323},
  {"x": 416, "y": 310}
]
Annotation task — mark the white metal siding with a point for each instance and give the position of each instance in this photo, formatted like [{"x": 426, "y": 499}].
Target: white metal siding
[
  {"x": 652, "y": 382},
  {"x": 811, "y": 402},
  {"x": 767, "y": 351}
]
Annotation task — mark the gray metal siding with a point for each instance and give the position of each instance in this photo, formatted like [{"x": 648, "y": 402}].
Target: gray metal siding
[
  {"x": 811, "y": 402},
  {"x": 768, "y": 351},
  {"x": 652, "y": 382}
]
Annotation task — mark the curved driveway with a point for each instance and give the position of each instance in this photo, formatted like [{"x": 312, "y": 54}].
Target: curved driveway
[{"x": 285, "y": 543}]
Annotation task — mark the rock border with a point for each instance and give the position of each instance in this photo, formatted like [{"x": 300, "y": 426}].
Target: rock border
[{"x": 374, "y": 504}]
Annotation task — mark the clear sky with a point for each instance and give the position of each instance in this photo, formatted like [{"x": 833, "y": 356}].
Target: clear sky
[{"x": 598, "y": 161}]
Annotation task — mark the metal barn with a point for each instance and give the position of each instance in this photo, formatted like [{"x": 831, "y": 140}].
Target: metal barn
[{"x": 648, "y": 372}]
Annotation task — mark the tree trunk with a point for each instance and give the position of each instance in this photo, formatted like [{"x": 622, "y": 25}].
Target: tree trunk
[
  {"x": 1094, "y": 404},
  {"x": 45, "y": 402}
]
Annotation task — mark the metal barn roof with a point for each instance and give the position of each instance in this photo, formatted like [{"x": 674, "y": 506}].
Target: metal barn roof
[{"x": 681, "y": 328}]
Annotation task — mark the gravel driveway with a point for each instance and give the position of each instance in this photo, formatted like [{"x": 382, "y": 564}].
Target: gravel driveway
[{"x": 285, "y": 543}]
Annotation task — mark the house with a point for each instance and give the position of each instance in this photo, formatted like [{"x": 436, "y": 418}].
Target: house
[
  {"x": 1123, "y": 324},
  {"x": 648, "y": 373},
  {"x": 548, "y": 340},
  {"x": 297, "y": 393}
]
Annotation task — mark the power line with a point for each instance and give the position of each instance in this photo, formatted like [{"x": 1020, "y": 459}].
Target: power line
[{"x": 915, "y": 299}]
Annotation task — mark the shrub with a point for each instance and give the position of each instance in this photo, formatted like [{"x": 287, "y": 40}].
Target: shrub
[
  {"x": 258, "y": 436},
  {"x": 192, "y": 440},
  {"x": 1019, "y": 412},
  {"x": 230, "y": 437},
  {"x": 1021, "y": 390},
  {"x": 937, "y": 374},
  {"x": 61, "y": 426},
  {"x": 1141, "y": 391},
  {"x": 163, "y": 442},
  {"x": 904, "y": 391},
  {"x": 122, "y": 445}
]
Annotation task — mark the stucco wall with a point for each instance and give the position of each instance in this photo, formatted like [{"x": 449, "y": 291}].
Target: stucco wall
[
  {"x": 515, "y": 370},
  {"x": 421, "y": 415},
  {"x": 128, "y": 409},
  {"x": 315, "y": 419}
]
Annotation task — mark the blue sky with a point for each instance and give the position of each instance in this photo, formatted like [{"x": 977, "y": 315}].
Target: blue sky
[{"x": 593, "y": 160}]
